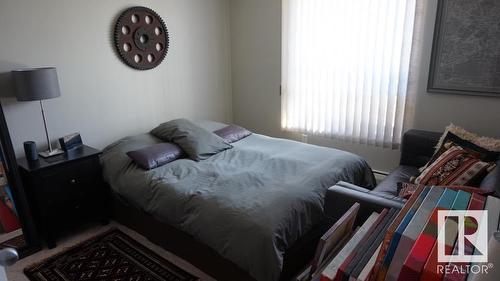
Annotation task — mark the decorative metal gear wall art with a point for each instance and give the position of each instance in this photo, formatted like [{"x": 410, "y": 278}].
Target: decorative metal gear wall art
[{"x": 141, "y": 38}]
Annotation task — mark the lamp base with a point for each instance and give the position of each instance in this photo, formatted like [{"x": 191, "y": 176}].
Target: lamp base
[{"x": 49, "y": 153}]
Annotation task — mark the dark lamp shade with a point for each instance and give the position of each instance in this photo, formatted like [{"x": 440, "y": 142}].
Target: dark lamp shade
[{"x": 36, "y": 84}]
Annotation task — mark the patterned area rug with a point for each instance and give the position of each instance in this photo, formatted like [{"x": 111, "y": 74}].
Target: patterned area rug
[{"x": 112, "y": 256}]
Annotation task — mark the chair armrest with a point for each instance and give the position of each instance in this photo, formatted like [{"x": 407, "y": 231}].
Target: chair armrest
[
  {"x": 339, "y": 199},
  {"x": 352, "y": 186},
  {"x": 417, "y": 147},
  {"x": 492, "y": 181}
]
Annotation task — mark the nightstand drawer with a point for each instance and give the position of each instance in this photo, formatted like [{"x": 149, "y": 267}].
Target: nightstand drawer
[
  {"x": 70, "y": 180},
  {"x": 71, "y": 212}
]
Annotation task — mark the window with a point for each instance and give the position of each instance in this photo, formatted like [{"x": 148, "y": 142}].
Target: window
[{"x": 345, "y": 68}]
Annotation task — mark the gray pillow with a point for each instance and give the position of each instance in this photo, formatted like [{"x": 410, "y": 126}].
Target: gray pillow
[
  {"x": 156, "y": 155},
  {"x": 198, "y": 143}
]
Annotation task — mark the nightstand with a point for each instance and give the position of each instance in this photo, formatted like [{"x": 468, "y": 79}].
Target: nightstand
[{"x": 65, "y": 191}]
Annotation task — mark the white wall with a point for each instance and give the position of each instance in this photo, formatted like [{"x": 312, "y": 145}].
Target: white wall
[
  {"x": 256, "y": 72},
  {"x": 102, "y": 98},
  {"x": 256, "y": 64},
  {"x": 435, "y": 111}
]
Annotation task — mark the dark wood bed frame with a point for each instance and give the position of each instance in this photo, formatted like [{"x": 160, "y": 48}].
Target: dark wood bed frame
[{"x": 204, "y": 257}]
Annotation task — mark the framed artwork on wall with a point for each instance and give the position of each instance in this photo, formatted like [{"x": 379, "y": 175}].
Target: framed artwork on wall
[{"x": 466, "y": 48}]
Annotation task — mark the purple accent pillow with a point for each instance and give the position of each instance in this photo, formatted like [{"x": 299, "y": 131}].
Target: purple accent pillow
[
  {"x": 156, "y": 155},
  {"x": 232, "y": 133}
]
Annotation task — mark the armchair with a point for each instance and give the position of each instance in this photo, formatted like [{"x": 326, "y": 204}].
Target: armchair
[{"x": 417, "y": 149}]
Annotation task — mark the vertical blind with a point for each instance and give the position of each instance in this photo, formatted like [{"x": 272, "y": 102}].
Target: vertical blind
[{"x": 345, "y": 68}]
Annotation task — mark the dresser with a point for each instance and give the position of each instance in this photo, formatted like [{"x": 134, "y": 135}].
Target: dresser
[{"x": 65, "y": 192}]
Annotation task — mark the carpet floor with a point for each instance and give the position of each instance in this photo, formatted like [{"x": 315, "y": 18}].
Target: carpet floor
[{"x": 140, "y": 248}]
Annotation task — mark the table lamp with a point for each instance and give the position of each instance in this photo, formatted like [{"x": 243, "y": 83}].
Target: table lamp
[{"x": 38, "y": 84}]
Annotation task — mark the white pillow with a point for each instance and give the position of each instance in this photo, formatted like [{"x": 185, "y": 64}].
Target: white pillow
[{"x": 490, "y": 144}]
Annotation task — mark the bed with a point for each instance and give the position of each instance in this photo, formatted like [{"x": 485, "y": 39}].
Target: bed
[{"x": 247, "y": 205}]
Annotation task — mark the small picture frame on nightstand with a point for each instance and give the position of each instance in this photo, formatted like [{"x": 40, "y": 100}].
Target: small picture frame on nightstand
[{"x": 70, "y": 141}]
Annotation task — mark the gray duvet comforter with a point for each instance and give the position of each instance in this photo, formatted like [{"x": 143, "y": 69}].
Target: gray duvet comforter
[{"x": 249, "y": 203}]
